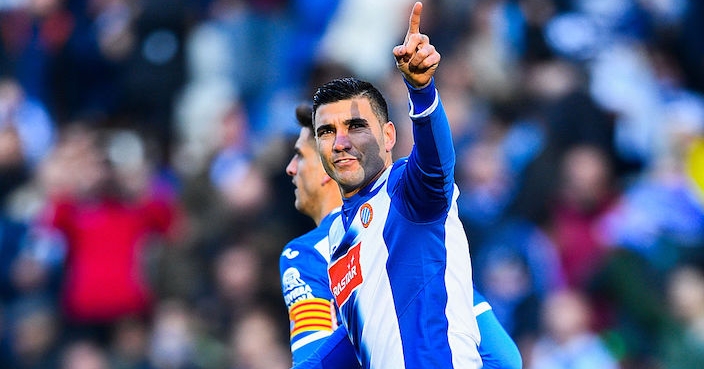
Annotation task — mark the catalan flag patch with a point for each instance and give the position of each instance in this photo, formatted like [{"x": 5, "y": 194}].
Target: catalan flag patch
[{"x": 314, "y": 314}]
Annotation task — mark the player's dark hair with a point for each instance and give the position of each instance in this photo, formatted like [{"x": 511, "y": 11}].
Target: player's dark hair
[
  {"x": 348, "y": 88},
  {"x": 304, "y": 115}
]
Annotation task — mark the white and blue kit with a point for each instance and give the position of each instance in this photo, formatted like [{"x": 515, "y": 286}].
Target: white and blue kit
[
  {"x": 304, "y": 281},
  {"x": 400, "y": 267},
  {"x": 497, "y": 349}
]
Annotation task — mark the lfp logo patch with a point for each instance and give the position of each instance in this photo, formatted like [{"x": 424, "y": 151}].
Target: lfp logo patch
[{"x": 366, "y": 214}]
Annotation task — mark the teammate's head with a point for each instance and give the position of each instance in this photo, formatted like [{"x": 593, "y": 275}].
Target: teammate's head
[
  {"x": 354, "y": 136},
  {"x": 316, "y": 194}
]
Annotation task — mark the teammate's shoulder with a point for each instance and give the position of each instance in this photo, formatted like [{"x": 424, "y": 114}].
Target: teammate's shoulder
[
  {"x": 304, "y": 247},
  {"x": 298, "y": 244}
]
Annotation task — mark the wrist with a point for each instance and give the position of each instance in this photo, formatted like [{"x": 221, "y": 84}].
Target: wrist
[
  {"x": 421, "y": 98},
  {"x": 412, "y": 85}
]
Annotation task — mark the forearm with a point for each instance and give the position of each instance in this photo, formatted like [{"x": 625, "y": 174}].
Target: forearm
[
  {"x": 431, "y": 131},
  {"x": 432, "y": 160}
]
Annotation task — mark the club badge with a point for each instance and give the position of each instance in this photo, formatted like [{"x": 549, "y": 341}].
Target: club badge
[{"x": 366, "y": 214}]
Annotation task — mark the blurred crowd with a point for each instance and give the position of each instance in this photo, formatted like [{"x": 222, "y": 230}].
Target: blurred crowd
[{"x": 144, "y": 203}]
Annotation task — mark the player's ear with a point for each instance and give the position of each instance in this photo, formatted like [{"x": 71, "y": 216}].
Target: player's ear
[
  {"x": 389, "y": 131},
  {"x": 326, "y": 179}
]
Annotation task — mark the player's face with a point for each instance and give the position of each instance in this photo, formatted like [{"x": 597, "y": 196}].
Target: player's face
[
  {"x": 308, "y": 175},
  {"x": 354, "y": 146}
]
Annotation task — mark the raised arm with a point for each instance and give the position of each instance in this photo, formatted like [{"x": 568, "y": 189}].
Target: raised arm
[{"x": 429, "y": 177}]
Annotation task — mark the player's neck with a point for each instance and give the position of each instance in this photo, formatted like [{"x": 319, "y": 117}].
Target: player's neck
[{"x": 327, "y": 206}]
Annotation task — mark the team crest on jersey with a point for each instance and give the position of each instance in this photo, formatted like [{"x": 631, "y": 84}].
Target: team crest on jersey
[
  {"x": 345, "y": 275},
  {"x": 366, "y": 214}
]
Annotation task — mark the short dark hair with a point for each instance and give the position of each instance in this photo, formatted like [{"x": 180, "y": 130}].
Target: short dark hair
[
  {"x": 348, "y": 88},
  {"x": 304, "y": 115}
]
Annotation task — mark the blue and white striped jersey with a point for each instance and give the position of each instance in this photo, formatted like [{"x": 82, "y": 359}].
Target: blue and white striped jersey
[
  {"x": 497, "y": 349},
  {"x": 400, "y": 268}
]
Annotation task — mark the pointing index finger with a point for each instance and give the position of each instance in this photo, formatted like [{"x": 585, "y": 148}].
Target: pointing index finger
[{"x": 414, "y": 20}]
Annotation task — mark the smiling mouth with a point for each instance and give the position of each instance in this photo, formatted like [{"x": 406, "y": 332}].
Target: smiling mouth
[{"x": 345, "y": 161}]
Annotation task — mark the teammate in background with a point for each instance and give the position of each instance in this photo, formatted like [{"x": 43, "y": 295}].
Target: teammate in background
[
  {"x": 304, "y": 261},
  {"x": 304, "y": 279},
  {"x": 400, "y": 269}
]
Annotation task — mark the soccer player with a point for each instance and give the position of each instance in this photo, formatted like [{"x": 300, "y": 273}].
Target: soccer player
[
  {"x": 400, "y": 269},
  {"x": 304, "y": 261},
  {"x": 303, "y": 266}
]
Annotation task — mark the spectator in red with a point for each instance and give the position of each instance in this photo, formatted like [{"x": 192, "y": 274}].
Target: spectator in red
[
  {"x": 105, "y": 204},
  {"x": 586, "y": 193}
]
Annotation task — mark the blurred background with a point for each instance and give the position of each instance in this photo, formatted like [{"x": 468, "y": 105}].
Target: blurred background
[{"x": 144, "y": 203}]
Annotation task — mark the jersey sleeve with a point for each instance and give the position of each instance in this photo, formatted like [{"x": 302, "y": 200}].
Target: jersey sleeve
[
  {"x": 336, "y": 352},
  {"x": 307, "y": 295},
  {"x": 497, "y": 348},
  {"x": 429, "y": 176}
]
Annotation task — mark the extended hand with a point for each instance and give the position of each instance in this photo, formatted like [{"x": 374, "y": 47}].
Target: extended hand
[{"x": 417, "y": 59}]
